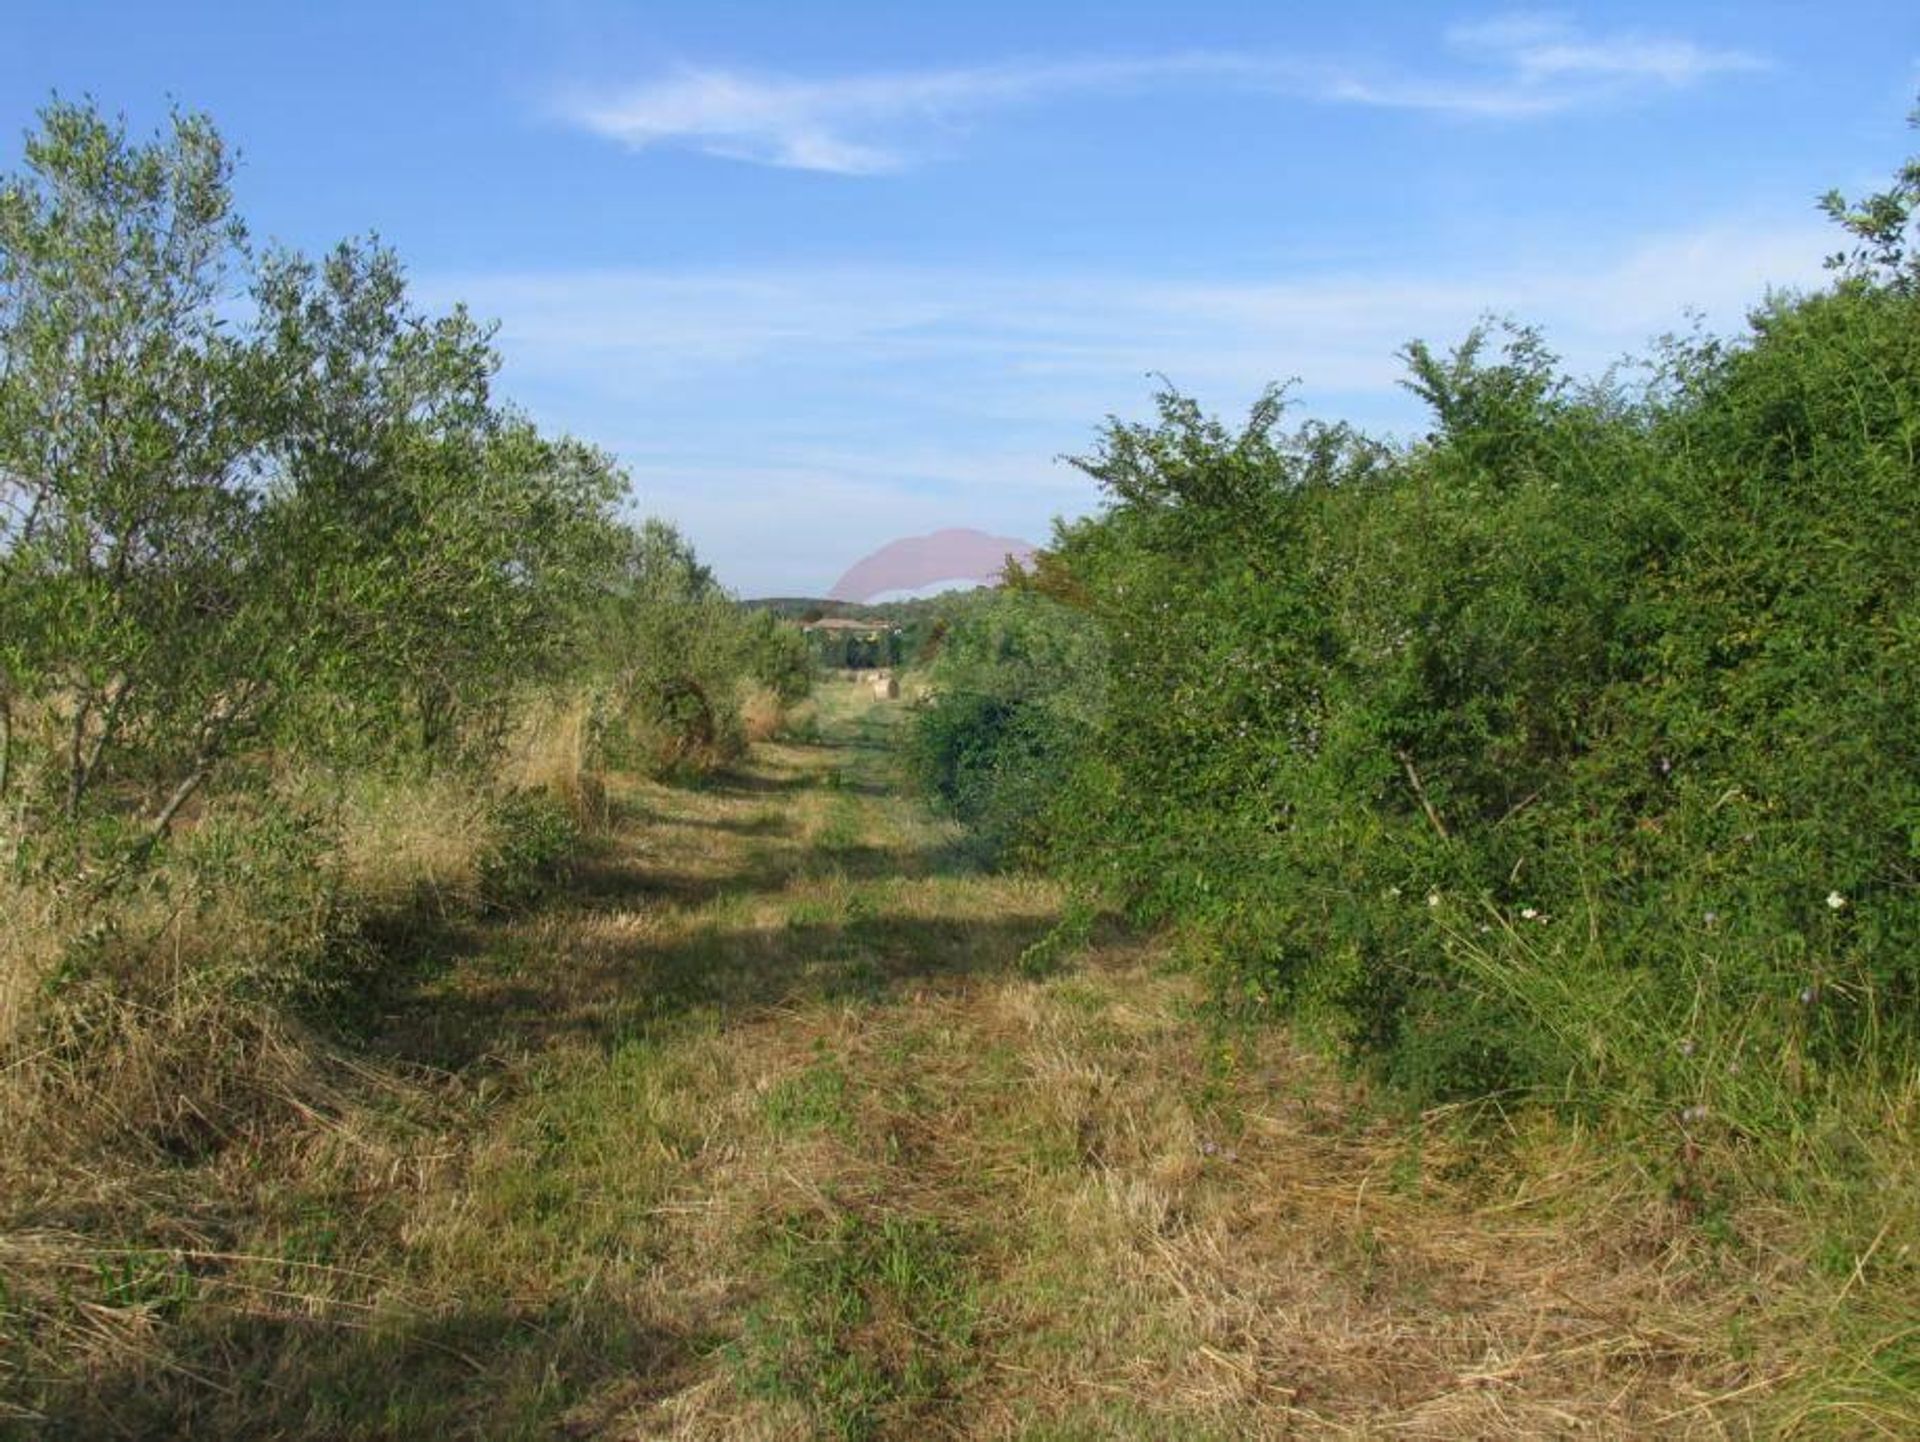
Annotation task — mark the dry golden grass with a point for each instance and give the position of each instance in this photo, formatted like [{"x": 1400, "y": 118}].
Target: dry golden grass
[
  {"x": 29, "y": 942},
  {"x": 1230, "y": 1267},
  {"x": 551, "y": 750},
  {"x": 761, "y": 714},
  {"x": 420, "y": 836},
  {"x": 166, "y": 1038},
  {"x": 767, "y": 1131}
]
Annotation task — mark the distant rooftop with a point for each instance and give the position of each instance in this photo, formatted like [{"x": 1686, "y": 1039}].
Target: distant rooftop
[{"x": 845, "y": 623}]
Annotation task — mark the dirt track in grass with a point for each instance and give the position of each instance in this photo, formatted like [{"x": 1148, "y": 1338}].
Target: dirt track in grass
[{"x": 777, "y": 1120}]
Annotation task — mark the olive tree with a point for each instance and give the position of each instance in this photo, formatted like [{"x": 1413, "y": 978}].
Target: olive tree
[
  {"x": 441, "y": 546},
  {"x": 130, "y": 418},
  {"x": 247, "y": 500}
]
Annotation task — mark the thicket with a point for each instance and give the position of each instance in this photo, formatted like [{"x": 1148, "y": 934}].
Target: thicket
[
  {"x": 1568, "y": 751},
  {"x": 1020, "y": 684},
  {"x": 302, "y": 629}
]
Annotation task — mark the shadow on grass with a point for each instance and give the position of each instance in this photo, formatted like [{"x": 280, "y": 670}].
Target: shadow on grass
[
  {"x": 481, "y": 1370},
  {"x": 603, "y": 878},
  {"x": 558, "y": 972},
  {"x": 864, "y": 742},
  {"x": 765, "y": 823},
  {"x": 718, "y": 975},
  {"x": 856, "y": 783},
  {"x": 754, "y": 783},
  {"x": 457, "y": 995}
]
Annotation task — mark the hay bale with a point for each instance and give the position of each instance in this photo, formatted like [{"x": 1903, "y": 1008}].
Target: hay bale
[{"x": 885, "y": 688}]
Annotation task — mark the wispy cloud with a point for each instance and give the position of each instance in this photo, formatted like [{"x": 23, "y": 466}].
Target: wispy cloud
[
  {"x": 1541, "y": 51},
  {"x": 889, "y": 401},
  {"x": 841, "y": 125},
  {"x": 1526, "y": 65},
  {"x": 1340, "y": 329},
  {"x": 1509, "y": 67}
]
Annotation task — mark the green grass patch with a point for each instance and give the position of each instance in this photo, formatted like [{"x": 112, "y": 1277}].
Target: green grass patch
[
  {"x": 869, "y": 1324},
  {"x": 810, "y": 1100}
]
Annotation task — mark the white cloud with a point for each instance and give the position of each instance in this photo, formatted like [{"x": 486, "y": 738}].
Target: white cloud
[
  {"x": 1540, "y": 66},
  {"x": 1540, "y": 50},
  {"x": 634, "y": 327},
  {"x": 813, "y": 124},
  {"x": 1515, "y": 66},
  {"x": 794, "y": 418}
]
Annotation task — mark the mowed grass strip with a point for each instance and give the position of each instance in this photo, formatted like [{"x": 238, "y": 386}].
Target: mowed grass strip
[{"x": 769, "y": 1126}]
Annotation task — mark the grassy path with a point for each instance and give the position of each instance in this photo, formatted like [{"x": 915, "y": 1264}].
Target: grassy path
[{"x": 763, "y": 1129}]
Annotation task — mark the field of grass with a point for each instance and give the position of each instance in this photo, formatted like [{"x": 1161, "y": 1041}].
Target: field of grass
[{"x": 781, "y": 1117}]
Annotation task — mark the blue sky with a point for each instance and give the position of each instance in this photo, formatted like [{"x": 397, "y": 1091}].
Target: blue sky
[{"x": 828, "y": 274}]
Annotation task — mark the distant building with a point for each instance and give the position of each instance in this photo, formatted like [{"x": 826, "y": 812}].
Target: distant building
[{"x": 853, "y": 644}]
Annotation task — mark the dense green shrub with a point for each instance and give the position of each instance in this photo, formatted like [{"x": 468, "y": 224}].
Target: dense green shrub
[
  {"x": 533, "y": 835},
  {"x": 671, "y": 656},
  {"x": 1569, "y": 748},
  {"x": 1018, "y": 681}
]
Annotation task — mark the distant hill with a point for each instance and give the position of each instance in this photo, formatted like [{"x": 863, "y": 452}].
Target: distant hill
[{"x": 914, "y": 562}]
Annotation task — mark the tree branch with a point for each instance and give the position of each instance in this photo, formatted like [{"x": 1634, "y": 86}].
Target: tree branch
[{"x": 1420, "y": 791}]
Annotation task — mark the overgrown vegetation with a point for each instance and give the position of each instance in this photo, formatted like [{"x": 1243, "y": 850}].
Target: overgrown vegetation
[
  {"x": 1020, "y": 690},
  {"x": 1558, "y": 767},
  {"x": 310, "y": 647},
  {"x": 1565, "y": 754}
]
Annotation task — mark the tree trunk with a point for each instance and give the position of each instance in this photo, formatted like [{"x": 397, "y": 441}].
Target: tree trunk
[
  {"x": 77, "y": 758},
  {"x": 1420, "y": 791},
  {"x": 6, "y": 744},
  {"x": 86, "y": 760},
  {"x": 163, "y": 822}
]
